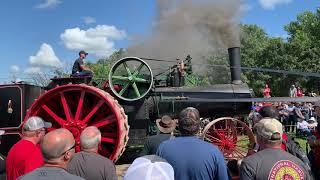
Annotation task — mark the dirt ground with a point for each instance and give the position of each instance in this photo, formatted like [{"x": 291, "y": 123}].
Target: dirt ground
[{"x": 121, "y": 170}]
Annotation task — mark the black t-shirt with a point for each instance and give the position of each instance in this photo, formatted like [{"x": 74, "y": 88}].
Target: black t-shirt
[
  {"x": 76, "y": 66},
  {"x": 153, "y": 142},
  {"x": 272, "y": 164}
]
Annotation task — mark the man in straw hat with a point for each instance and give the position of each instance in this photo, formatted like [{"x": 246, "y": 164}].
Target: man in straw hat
[{"x": 166, "y": 126}]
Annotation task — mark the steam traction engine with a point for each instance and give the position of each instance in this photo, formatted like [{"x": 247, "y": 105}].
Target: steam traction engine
[{"x": 130, "y": 98}]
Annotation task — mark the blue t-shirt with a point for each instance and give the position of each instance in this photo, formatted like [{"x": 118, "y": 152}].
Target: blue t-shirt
[{"x": 193, "y": 158}]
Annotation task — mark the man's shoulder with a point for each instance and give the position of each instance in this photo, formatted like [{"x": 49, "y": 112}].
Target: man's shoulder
[
  {"x": 257, "y": 157},
  {"x": 78, "y": 61},
  {"x": 27, "y": 146},
  {"x": 91, "y": 156},
  {"x": 269, "y": 154},
  {"x": 159, "y": 136},
  {"x": 49, "y": 173},
  {"x": 182, "y": 141}
]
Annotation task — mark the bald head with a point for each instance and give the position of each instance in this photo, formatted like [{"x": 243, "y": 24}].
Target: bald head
[
  {"x": 55, "y": 143},
  {"x": 90, "y": 138}
]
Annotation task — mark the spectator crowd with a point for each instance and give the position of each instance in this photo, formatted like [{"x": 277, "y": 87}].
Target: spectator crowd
[{"x": 167, "y": 156}]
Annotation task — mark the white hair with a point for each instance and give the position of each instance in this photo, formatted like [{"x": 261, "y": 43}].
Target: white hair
[{"x": 90, "y": 138}]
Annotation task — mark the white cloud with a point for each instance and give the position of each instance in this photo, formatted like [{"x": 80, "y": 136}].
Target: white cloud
[
  {"x": 48, "y": 4},
  {"x": 89, "y": 20},
  {"x": 45, "y": 57},
  {"x": 270, "y": 4},
  {"x": 14, "y": 69},
  {"x": 98, "y": 41},
  {"x": 245, "y": 7},
  {"x": 33, "y": 70}
]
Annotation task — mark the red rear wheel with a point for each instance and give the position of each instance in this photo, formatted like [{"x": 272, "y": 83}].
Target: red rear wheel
[
  {"x": 77, "y": 106},
  {"x": 233, "y": 137}
]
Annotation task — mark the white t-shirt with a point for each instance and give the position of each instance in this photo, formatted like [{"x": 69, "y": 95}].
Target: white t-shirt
[{"x": 303, "y": 125}]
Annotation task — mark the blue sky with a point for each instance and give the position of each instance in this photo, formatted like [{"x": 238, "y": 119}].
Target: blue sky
[{"x": 40, "y": 34}]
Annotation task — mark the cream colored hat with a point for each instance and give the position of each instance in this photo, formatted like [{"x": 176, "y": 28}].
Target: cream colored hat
[{"x": 267, "y": 127}]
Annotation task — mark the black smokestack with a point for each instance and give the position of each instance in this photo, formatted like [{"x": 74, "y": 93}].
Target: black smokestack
[{"x": 235, "y": 64}]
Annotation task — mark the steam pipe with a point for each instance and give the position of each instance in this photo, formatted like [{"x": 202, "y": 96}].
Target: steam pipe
[{"x": 235, "y": 65}]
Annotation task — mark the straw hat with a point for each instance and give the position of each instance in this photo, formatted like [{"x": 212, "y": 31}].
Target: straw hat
[{"x": 166, "y": 124}]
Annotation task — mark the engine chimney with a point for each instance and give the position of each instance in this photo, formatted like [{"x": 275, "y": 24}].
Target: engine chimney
[{"x": 235, "y": 65}]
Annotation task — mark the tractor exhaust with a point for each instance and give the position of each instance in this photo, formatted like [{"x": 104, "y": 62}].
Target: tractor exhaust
[{"x": 235, "y": 65}]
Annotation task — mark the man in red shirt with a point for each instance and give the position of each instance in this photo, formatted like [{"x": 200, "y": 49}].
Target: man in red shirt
[
  {"x": 266, "y": 91},
  {"x": 25, "y": 155}
]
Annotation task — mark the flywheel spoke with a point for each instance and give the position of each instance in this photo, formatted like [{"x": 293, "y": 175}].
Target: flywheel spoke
[
  {"x": 125, "y": 87},
  {"x": 141, "y": 80},
  {"x": 127, "y": 68},
  {"x": 136, "y": 90},
  {"x": 137, "y": 71},
  {"x": 123, "y": 78}
]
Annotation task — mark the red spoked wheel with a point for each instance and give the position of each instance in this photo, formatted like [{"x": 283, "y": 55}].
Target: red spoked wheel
[
  {"x": 77, "y": 106},
  {"x": 233, "y": 137}
]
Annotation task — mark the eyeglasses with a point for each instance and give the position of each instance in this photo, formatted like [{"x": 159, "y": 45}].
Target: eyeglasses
[{"x": 74, "y": 145}]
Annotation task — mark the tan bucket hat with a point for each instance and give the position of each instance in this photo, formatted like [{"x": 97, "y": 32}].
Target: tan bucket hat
[{"x": 166, "y": 124}]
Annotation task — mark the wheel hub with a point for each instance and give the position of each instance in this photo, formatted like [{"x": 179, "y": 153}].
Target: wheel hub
[
  {"x": 228, "y": 145},
  {"x": 75, "y": 129}
]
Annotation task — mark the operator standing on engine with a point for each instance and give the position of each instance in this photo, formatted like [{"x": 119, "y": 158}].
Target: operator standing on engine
[{"x": 79, "y": 69}]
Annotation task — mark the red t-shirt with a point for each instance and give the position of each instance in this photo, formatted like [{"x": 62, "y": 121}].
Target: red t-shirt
[
  {"x": 299, "y": 93},
  {"x": 285, "y": 138},
  {"x": 22, "y": 158}
]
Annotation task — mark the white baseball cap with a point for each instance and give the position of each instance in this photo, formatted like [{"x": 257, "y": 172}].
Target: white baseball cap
[
  {"x": 149, "y": 167},
  {"x": 35, "y": 123},
  {"x": 2, "y": 132}
]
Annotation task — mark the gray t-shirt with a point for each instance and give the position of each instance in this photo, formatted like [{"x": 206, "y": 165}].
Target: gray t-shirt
[
  {"x": 49, "y": 173},
  {"x": 271, "y": 164},
  {"x": 92, "y": 166}
]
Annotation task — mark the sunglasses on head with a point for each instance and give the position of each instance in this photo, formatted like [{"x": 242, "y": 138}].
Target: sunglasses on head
[{"x": 74, "y": 145}]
